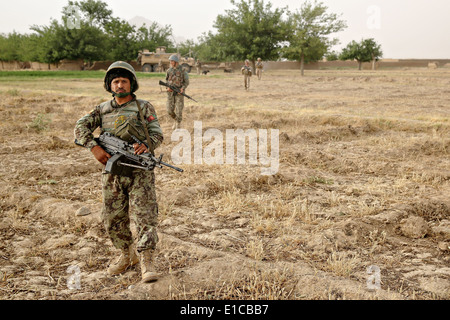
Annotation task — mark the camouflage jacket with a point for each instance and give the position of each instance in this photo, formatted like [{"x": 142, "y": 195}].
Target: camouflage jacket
[
  {"x": 246, "y": 71},
  {"x": 86, "y": 126},
  {"x": 177, "y": 77}
]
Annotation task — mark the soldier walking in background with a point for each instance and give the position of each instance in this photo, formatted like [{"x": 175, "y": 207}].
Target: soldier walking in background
[
  {"x": 247, "y": 72},
  {"x": 198, "y": 65},
  {"x": 259, "y": 68},
  {"x": 161, "y": 66},
  {"x": 178, "y": 78},
  {"x": 133, "y": 194}
]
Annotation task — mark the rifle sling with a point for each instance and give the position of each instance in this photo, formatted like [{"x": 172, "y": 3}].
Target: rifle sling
[{"x": 147, "y": 136}]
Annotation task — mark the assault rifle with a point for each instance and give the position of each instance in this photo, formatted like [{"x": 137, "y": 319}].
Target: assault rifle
[
  {"x": 174, "y": 89},
  {"x": 123, "y": 159}
]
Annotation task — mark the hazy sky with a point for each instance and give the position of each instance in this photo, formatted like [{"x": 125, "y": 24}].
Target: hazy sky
[{"x": 405, "y": 28}]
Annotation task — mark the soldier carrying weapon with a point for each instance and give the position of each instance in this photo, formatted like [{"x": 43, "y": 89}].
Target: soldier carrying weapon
[
  {"x": 131, "y": 120},
  {"x": 179, "y": 79},
  {"x": 247, "y": 72}
]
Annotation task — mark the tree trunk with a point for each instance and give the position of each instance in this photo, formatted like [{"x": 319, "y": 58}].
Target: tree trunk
[
  {"x": 302, "y": 64},
  {"x": 373, "y": 62},
  {"x": 359, "y": 65}
]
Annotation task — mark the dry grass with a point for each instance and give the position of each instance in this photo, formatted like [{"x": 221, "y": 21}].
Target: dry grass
[{"x": 353, "y": 146}]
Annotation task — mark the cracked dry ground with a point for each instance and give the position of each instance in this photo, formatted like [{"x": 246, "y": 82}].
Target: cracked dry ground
[{"x": 363, "y": 182}]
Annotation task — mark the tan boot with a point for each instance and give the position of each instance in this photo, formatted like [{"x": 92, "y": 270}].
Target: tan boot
[
  {"x": 174, "y": 125},
  {"x": 127, "y": 259},
  {"x": 149, "y": 273}
]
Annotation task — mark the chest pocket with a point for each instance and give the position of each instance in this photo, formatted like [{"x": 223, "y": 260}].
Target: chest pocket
[
  {"x": 124, "y": 123},
  {"x": 175, "y": 78}
]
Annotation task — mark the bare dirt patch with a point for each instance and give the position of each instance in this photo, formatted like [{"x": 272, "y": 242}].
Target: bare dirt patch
[{"x": 364, "y": 181}]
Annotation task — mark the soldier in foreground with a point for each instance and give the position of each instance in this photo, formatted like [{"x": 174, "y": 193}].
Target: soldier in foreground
[
  {"x": 124, "y": 117},
  {"x": 259, "y": 68},
  {"x": 247, "y": 72}
]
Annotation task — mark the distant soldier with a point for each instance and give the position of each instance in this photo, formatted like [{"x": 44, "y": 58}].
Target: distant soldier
[
  {"x": 139, "y": 57},
  {"x": 259, "y": 68},
  {"x": 247, "y": 72},
  {"x": 161, "y": 66},
  {"x": 198, "y": 65},
  {"x": 178, "y": 78}
]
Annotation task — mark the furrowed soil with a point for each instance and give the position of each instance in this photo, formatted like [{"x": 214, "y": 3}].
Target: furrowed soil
[{"x": 359, "y": 208}]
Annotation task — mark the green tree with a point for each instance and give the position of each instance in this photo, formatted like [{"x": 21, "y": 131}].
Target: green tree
[
  {"x": 310, "y": 28},
  {"x": 187, "y": 48},
  {"x": 95, "y": 13},
  {"x": 10, "y": 46},
  {"x": 87, "y": 31},
  {"x": 208, "y": 48},
  {"x": 153, "y": 36},
  {"x": 80, "y": 35},
  {"x": 251, "y": 30},
  {"x": 332, "y": 56},
  {"x": 59, "y": 42},
  {"x": 365, "y": 51},
  {"x": 122, "y": 40}
]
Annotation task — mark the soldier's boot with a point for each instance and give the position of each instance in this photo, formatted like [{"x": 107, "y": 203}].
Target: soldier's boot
[
  {"x": 148, "y": 271},
  {"x": 127, "y": 259},
  {"x": 175, "y": 125}
]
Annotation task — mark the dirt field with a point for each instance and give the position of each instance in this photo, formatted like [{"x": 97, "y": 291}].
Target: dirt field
[{"x": 363, "y": 184}]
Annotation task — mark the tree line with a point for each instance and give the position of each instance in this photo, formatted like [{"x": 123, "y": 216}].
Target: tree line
[{"x": 252, "y": 29}]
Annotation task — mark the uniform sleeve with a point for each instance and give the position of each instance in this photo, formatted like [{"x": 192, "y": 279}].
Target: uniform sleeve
[
  {"x": 85, "y": 127},
  {"x": 153, "y": 127},
  {"x": 186, "y": 80},
  {"x": 167, "y": 74}
]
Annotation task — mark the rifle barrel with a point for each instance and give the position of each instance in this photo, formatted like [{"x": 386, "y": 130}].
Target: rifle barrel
[{"x": 161, "y": 83}]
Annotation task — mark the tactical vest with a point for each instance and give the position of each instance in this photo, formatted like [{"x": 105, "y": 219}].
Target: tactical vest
[
  {"x": 247, "y": 71},
  {"x": 123, "y": 122},
  {"x": 175, "y": 77}
]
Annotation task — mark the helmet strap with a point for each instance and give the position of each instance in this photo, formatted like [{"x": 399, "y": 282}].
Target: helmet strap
[{"x": 121, "y": 95}]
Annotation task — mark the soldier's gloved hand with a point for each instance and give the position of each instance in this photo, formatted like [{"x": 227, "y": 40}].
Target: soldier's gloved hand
[{"x": 101, "y": 155}]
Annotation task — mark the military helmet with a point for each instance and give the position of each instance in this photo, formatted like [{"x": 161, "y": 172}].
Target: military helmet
[
  {"x": 174, "y": 57},
  {"x": 121, "y": 69}
]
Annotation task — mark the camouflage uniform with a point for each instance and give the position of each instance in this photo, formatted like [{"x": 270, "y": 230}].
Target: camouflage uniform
[
  {"x": 247, "y": 72},
  {"x": 175, "y": 102},
  {"x": 160, "y": 66},
  {"x": 198, "y": 65},
  {"x": 121, "y": 195},
  {"x": 259, "y": 68}
]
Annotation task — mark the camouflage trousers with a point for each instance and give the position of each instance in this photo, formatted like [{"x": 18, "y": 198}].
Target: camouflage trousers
[
  {"x": 259, "y": 73},
  {"x": 175, "y": 106},
  {"x": 247, "y": 81},
  {"x": 131, "y": 197}
]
